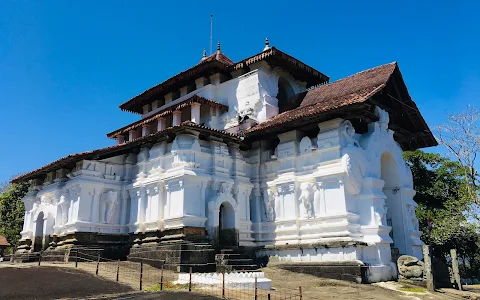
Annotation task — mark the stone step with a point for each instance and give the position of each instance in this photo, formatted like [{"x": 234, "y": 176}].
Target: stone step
[
  {"x": 229, "y": 268},
  {"x": 226, "y": 251},
  {"x": 240, "y": 261},
  {"x": 228, "y": 256}
]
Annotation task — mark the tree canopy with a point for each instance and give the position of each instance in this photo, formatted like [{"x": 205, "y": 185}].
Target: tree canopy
[
  {"x": 12, "y": 210},
  {"x": 444, "y": 201}
]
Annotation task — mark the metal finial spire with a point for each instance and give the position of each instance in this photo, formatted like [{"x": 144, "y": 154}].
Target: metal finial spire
[
  {"x": 267, "y": 43},
  {"x": 218, "y": 46},
  {"x": 204, "y": 52}
]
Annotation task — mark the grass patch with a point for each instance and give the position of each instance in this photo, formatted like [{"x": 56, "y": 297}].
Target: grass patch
[
  {"x": 167, "y": 286},
  {"x": 412, "y": 289}
]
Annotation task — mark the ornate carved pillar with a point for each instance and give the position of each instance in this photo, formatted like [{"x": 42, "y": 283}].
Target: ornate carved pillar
[
  {"x": 142, "y": 195},
  {"x": 161, "y": 204},
  {"x": 124, "y": 207}
]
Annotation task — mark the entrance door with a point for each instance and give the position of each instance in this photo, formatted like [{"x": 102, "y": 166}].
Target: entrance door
[{"x": 227, "y": 234}]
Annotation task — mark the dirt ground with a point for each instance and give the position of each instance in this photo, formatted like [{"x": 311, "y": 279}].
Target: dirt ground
[
  {"x": 322, "y": 288},
  {"x": 53, "y": 283},
  {"x": 29, "y": 282}
]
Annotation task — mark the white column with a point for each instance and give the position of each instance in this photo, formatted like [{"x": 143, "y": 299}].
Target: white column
[
  {"x": 95, "y": 208},
  {"x": 123, "y": 209},
  {"x": 120, "y": 139},
  {"x": 177, "y": 118},
  {"x": 201, "y": 82},
  {"x": 161, "y": 201},
  {"x": 141, "y": 205},
  {"x": 145, "y": 129},
  {"x": 162, "y": 124},
  {"x": 195, "y": 112},
  {"x": 154, "y": 104},
  {"x": 183, "y": 91},
  {"x": 168, "y": 98},
  {"x": 247, "y": 200},
  {"x": 132, "y": 134}
]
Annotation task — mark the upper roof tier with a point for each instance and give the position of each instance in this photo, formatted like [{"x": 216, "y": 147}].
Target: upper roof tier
[
  {"x": 353, "y": 97},
  {"x": 220, "y": 63}
]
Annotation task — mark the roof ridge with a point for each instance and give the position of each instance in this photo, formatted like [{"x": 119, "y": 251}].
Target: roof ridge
[{"x": 361, "y": 72}]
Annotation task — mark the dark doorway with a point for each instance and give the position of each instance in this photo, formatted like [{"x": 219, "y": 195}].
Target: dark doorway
[
  {"x": 228, "y": 235},
  {"x": 39, "y": 241}
]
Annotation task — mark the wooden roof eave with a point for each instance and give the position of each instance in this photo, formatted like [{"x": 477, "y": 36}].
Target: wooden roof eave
[
  {"x": 69, "y": 161},
  {"x": 273, "y": 56},
  {"x": 165, "y": 112},
  {"x": 134, "y": 105}
]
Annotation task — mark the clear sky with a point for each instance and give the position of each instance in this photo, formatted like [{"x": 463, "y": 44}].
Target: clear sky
[{"x": 65, "y": 66}]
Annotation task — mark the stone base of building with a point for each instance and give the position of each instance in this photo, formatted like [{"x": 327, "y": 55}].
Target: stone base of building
[
  {"x": 112, "y": 246},
  {"x": 177, "y": 256},
  {"x": 335, "y": 259},
  {"x": 174, "y": 235},
  {"x": 24, "y": 246},
  {"x": 352, "y": 271}
]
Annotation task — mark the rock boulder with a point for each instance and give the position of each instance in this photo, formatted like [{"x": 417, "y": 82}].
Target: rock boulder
[{"x": 410, "y": 267}]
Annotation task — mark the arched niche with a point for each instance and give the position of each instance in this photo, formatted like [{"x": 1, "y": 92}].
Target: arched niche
[
  {"x": 224, "y": 217},
  {"x": 393, "y": 202},
  {"x": 38, "y": 243},
  {"x": 285, "y": 93}
]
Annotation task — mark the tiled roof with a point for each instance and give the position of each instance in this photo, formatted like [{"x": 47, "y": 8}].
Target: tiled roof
[
  {"x": 277, "y": 57},
  {"x": 167, "y": 111},
  {"x": 353, "y": 89},
  {"x": 219, "y": 56},
  {"x": 4, "y": 242},
  {"x": 219, "y": 62},
  {"x": 202, "y": 69},
  {"x": 337, "y": 99},
  {"x": 69, "y": 160}
]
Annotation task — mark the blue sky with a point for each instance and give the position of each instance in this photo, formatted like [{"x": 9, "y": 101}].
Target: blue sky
[{"x": 66, "y": 66}]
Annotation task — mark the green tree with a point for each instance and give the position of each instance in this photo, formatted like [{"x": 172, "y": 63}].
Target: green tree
[
  {"x": 442, "y": 195},
  {"x": 12, "y": 210}
]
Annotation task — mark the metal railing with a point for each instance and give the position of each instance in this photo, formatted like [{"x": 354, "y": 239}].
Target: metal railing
[{"x": 145, "y": 277}]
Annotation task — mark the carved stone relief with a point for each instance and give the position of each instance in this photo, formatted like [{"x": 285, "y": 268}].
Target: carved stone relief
[
  {"x": 354, "y": 158},
  {"x": 109, "y": 201},
  {"x": 305, "y": 199},
  {"x": 269, "y": 203}
]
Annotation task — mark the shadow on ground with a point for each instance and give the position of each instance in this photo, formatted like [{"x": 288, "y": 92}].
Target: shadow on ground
[{"x": 52, "y": 283}]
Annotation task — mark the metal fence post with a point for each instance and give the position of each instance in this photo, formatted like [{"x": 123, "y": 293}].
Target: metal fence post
[
  {"x": 76, "y": 259},
  {"x": 256, "y": 285},
  {"x": 141, "y": 274},
  {"x": 190, "y": 281},
  {"x": 300, "y": 291},
  {"x": 98, "y": 262},
  {"x": 40, "y": 259},
  {"x": 223, "y": 285},
  {"x": 161, "y": 279},
  {"x": 118, "y": 268}
]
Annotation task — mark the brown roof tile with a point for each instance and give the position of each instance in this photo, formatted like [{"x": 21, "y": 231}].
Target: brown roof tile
[
  {"x": 349, "y": 90},
  {"x": 166, "y": 111},
  {"x": 3, "y": 241},
  {"x": 175, "y": 82},
  {"x": 277, "y": 57},
  {"x": 219, "y": 62},
  {"x": 219, "y": 56}
]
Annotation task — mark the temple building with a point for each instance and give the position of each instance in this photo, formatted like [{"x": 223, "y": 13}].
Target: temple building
[{"x": 264, "y": 155}]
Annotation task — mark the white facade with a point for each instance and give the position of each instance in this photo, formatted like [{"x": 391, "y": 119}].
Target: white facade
[{"x": 296, "y": 198}]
